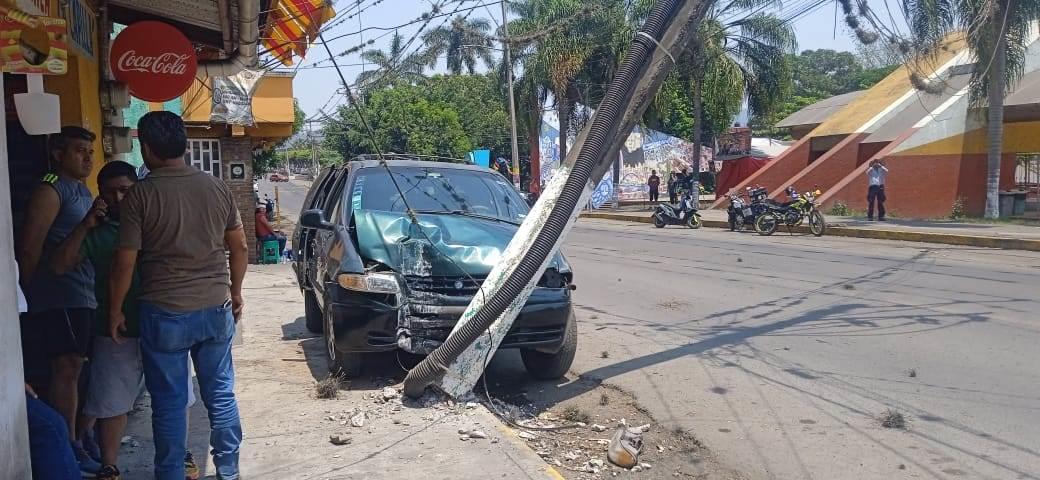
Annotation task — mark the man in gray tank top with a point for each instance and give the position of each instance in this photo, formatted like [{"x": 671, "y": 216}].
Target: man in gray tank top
[{"x": 57, "y": 332}]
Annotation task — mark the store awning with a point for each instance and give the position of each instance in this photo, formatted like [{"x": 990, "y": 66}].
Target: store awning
[{"x": 293, "y": 25}]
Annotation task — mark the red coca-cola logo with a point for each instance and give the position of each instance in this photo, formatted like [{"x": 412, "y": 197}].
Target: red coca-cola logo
[{"x": 155, "y": 60}]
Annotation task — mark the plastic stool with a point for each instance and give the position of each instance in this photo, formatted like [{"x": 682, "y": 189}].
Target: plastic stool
[{"x": 270, "y": 253}]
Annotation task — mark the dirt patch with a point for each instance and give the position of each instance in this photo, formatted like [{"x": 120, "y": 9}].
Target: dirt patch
[{"x": 574, "y": 435}]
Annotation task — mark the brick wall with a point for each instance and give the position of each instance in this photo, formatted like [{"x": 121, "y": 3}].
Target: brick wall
[
  {"x": 240, "y": 150},
  {"x": 825, "y": 171},
  {"x": 924, "y": 186}
]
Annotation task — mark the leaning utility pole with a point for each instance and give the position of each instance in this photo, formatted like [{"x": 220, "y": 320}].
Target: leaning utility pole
[
  {"x": 512, "y": 101},
  {"x": 457, "y": 363}
]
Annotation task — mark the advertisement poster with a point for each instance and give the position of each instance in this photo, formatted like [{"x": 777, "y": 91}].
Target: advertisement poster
[
  {"x": 41, "y": 49},
  {"x": 735, "y": 143},
  {"x": 233, "y": 98}
]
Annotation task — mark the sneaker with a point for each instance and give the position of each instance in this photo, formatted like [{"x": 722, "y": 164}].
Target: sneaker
[
  {"x": 108, "y": 472},
  {"x": 191, "y": 470},
  {"x": 88, "y": 467}
]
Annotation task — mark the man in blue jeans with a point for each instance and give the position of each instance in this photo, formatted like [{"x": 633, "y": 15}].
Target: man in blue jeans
[{"x": 174, "y": 227}]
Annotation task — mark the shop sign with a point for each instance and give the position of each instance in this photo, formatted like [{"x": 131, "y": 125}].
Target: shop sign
[
  {"x": 81, "y": 26},
  {"x": 233, "y": 98},
  {"x": 33, "y": 49},
  {"x": 155, "y": 60}
]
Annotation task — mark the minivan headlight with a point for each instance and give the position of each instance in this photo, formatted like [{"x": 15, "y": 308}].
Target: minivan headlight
[{"x": 370, "y": 282}]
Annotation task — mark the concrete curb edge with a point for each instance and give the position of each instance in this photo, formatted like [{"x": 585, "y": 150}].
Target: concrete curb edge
[
  {"x": 940, "y": 238},
  {"x": 510, "y": 435}
]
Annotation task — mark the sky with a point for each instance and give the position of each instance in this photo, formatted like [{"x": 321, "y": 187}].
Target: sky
[{"x": 316, "y": 87}]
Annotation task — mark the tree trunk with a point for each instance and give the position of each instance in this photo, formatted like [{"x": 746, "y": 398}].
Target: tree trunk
[
  {"x": 533, "y": 142},
  {"x": 698, "y": 112},
  {"x": 563, "y": 107},
  {"x": 995, "y": 128}
]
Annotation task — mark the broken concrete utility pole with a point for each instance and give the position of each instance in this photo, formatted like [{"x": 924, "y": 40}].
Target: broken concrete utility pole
[{"x": 456, "y": 365}]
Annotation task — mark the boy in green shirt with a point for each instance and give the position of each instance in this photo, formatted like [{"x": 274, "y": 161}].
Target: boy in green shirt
[{"x": 116, "y": 372}]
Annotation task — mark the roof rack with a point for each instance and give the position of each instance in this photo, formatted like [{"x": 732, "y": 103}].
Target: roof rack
[{"x": 407, "y": 156}]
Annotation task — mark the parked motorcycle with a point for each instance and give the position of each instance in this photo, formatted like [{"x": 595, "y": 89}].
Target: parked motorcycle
[
  {"x": 684, "y": 214},
  {"x": 801, "y": 208},
  {"x": 744, "y": 211}
]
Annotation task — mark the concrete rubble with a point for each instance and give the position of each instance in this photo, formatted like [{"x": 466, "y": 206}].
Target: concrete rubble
[{"x": 368, "y": 431}]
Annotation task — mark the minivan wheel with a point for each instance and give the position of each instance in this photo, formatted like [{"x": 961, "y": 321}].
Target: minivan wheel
[
  {"x": 551, "y": 366},
  {"x": 343, "y": 364},
  {"x": 312, "y": 313}
]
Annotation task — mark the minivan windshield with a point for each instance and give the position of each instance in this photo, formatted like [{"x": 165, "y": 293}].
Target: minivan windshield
[{"x": 438, "y": 191}]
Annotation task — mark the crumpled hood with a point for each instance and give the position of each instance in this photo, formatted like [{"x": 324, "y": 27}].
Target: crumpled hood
[{"x": 474, "y": 244}]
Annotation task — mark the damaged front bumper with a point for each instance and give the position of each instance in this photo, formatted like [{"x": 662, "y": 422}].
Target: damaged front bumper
[{"x": 421, "y": 317}]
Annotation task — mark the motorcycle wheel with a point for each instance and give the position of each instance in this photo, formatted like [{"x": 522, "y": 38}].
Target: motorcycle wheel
[
  {"x": 817, "y": 225},
  {"x": 694, "y": 221},
  {"x": 658, "y": 222},
  {"x": 766, "y": 224}
]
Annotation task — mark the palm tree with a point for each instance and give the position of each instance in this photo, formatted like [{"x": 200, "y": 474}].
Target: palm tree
[
  {"x": 997, "y": 32},
  {"x": 735, "y": 55},
  {"x": 463, "y": 43},
  {"x": 565, "y": 37},
  {"x": 390, "y": 66}
]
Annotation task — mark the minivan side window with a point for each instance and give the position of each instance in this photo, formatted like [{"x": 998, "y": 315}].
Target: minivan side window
[
  {"x": 335, "y": 197},
  {"x": 323, "y": 190},
  {"x": 316, "y": 187}
]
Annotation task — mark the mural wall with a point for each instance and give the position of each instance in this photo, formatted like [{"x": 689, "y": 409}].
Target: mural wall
[{"x": 645, "y": 151}]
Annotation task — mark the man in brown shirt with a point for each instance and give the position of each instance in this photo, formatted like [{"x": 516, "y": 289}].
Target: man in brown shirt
[{"x": 174, "y": 226}]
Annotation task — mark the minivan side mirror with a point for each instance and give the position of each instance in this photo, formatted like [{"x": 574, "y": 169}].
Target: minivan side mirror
[{"x": 315, "y": 218}]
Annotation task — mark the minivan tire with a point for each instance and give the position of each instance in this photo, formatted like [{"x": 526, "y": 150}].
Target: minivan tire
[
  {"x": 341, "y": 364},
  {"x": 312, "y": 313},
  {"x": 552, "y": 366}
]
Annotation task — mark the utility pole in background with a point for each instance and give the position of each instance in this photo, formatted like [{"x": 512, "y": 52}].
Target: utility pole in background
[
  {"x": 315, "y": 167},
  {"x": 512, "y": 101}
]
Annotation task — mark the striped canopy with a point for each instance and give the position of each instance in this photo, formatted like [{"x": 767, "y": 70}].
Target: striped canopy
[{"x": 292, "y": 25}]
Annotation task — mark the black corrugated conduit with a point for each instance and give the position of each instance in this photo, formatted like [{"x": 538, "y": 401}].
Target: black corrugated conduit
[{"x": 607, "y": 118}]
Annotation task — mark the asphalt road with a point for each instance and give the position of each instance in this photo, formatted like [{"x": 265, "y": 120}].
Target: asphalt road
[{"x": 781, "y": 353}]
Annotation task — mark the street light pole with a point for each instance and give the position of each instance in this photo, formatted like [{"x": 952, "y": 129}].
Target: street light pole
[{"x": 512, "y": 101}]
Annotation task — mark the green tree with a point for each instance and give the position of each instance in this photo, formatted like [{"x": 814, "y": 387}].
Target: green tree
[
  {"x": 403, "y": 120},
  {"x": 997, "y": 32},
  {"x": 391, "y": 66},
  {"x": 463, "y": 44},
  {"x": 480, "y": 106},
  {"x": 736, "y": 54},
  {"x": 568, "y": 40},
  {"x": 824, "y": 73}
]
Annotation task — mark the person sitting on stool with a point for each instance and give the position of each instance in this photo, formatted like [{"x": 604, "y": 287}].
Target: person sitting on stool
[
  {"x": 876, "y": 189},
  {"x": 265, "y": 232}
]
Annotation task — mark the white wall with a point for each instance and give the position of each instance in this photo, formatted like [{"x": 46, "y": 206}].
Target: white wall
[{"x": 14, "y": 439}]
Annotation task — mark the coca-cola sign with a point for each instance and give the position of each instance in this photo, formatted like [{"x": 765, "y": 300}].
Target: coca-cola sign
[{"x": 155, "y": 60}]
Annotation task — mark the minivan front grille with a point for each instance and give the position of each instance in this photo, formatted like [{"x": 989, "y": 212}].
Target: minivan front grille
[{"x": 445, "y": 285}]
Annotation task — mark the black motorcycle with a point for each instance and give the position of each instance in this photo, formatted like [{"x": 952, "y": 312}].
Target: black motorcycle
[
  {"x": 801, "y": 208},
  {"x": 744, "y": 211},
  {"x": 684, "y": 214}
]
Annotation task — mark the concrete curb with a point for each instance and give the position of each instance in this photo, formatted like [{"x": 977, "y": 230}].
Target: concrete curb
[{"x": 842, "y": 231}]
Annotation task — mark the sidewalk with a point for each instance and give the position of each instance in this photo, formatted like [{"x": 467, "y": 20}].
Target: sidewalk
[
  {"x": 287, "y": 430},
  {"x": 995, "y": 235}
]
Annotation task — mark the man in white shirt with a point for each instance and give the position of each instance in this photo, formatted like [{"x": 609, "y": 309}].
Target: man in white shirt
[{"x": 876, "y": 189}]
